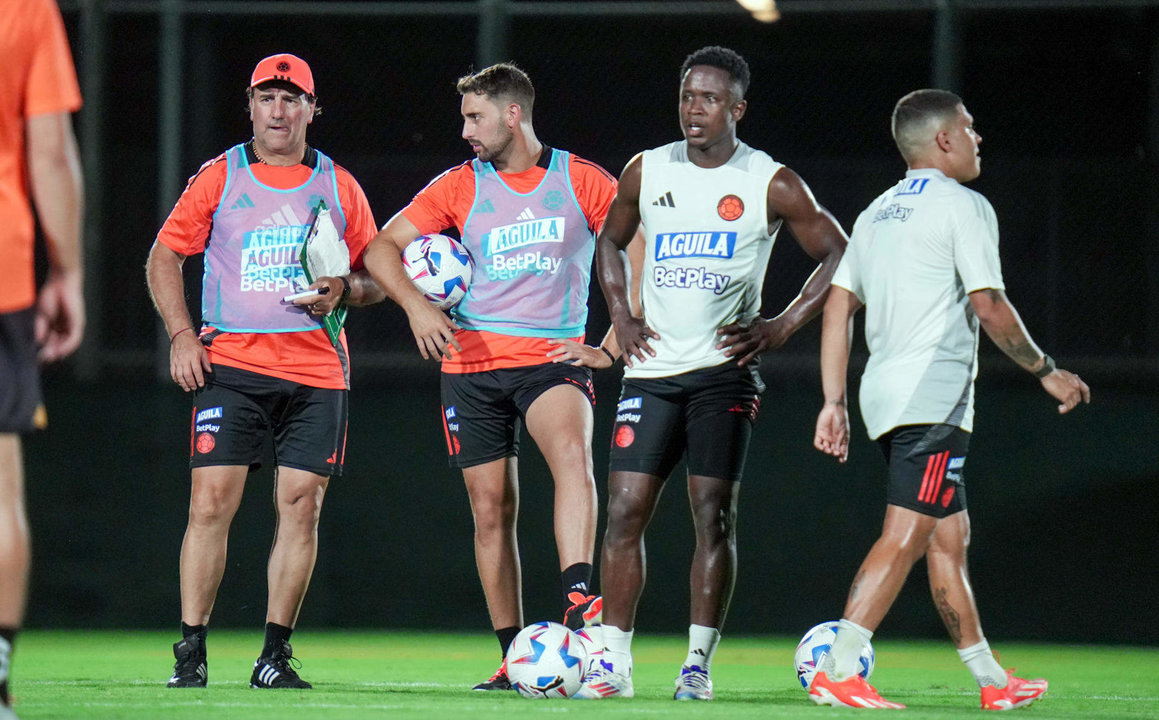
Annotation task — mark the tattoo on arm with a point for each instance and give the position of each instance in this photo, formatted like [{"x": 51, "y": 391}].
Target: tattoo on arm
[
  {"x": 1021, "y": 351},
  {"x": 949, "y": 615}
]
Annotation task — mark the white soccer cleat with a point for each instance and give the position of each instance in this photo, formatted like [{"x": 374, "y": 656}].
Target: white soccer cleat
[
  {"x": 693, "y": 684},
  {"x": 603, "y": 681}
]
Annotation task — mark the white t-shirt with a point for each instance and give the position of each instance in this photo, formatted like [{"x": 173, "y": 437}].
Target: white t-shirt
[
  {"x": 915, "y": 255},
  {"x": 707, "y": 247}
]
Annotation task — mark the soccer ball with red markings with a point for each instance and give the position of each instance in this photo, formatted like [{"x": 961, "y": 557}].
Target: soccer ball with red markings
[
  {"x": 813, "y": 647},
  {"x": 440, "y": 267},
  {"x": 546, "y": 660}
]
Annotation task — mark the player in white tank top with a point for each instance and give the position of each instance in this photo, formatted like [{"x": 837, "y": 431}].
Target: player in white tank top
[
  {"x": 704, "y": 265},
  {"x": 711, "y": 208}
]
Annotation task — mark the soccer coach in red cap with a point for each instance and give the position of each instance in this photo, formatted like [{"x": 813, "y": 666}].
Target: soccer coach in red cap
[{"x": 260, "y": 369}]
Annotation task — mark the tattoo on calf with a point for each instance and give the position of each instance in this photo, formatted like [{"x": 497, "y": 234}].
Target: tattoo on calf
[{"x": 949, "y": 615}]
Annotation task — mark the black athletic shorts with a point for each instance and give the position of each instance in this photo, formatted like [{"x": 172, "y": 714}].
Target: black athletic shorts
[
  {"x": 21, "y": 404},
  {"x": 705, "y": 416},
  {"x": 238, "y": 411},
  {"x": 483, "y": 411},
  {"x": 927, "y": 468}
]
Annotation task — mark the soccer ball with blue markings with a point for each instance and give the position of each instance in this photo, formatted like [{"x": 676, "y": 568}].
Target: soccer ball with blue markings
[
  {"x": 440, "y": 267},
  {"x": 546, "y": 660},
  {"x": 815, "y": 645}
]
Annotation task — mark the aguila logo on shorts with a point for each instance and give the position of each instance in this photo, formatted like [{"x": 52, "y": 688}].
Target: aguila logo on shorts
[
  {"x": 626, "y": 405},
  {"x": 730, "y": 208},
  {"x": 954, "y": 469},
  {"x": 205, "y": 443},
  {"x": 625, "y": 436},
  {"x": 209, "y": 414}
]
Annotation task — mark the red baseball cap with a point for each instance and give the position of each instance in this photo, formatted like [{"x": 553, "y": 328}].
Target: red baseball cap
[{"x": 287, "y": 68}]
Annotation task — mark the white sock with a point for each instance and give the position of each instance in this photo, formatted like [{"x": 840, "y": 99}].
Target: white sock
[
  {"x": 846, "y": 650},
  {"x": 981, "y": 662},
  {"x": 702, "y": 642},
  {"x": 5, "y": 659},
  {"x": 618, "y": 648}
]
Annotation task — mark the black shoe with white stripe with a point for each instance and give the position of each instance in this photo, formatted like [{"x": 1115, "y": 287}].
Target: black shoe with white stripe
[
  {"x": 278, "y": 671},
  {"x": 190, "y": 670}
]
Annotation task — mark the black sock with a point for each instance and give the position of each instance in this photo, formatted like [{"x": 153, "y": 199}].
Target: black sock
[
  {"x": 576, "y": 578},
  {"x": 198, "y": 630},
  {"x": 276, "y": 635},
  {"x": 9, "y": 635},
  {"x": 506, "y": 635}
]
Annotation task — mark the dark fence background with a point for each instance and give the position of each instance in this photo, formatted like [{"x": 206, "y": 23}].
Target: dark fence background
[{"x": 1065, "y": 514}]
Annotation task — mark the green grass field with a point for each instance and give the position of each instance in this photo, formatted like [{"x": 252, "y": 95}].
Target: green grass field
[{"x": 381, "y": 674}]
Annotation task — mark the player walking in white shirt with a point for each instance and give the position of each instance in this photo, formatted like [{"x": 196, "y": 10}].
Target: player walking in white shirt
[{"x": 923, "y": 260}]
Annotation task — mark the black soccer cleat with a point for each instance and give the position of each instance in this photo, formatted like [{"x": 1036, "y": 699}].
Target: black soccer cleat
[
  {"x": 498, "y": 681},
  {"x": 585, "y": 610},
  {"x": 278, "y": 671},
  {"x": 191, "y": 669}
]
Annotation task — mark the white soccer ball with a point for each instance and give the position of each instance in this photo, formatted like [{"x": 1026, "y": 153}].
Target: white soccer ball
[
  {"x": 546, "y": 660},
  {"x": 592, "y": 639},
  {"x": 815, "y": 645},
  {"x": 440, "y": 267}
]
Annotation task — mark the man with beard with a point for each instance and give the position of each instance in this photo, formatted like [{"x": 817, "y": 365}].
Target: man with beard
[{"x": 528, "y": 214}]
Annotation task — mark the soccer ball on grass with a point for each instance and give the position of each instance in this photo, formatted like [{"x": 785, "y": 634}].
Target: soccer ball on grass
[
  {"x": 546, "y": 660},
  {"x": 815, "y": 645}
]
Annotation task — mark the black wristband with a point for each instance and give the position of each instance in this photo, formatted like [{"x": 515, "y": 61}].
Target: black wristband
[
  {"x": 345, "y": 287},
  {"x": 1047, "y": 368},
  {"x": 609, "y": 354}
]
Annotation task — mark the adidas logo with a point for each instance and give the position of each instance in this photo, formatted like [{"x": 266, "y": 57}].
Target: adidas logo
[
  {"x": 283, "y": 217},
  {"x": 242, "y": 203},
  {"x": 485, "y": 207},
  {"x": 665, "y": 200},
  {"x": 268, "y": 674},
  {"x": 525, "y": 215}
]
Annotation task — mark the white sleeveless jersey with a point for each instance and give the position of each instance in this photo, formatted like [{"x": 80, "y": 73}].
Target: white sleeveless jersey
[{"x": 707, "y": 248}]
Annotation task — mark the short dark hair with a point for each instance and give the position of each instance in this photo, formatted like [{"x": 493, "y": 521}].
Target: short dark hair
[
  {"x": 502, "y": 80},
  {"x": 916, "y": 113},
  {"x": 720, "y": 57}
]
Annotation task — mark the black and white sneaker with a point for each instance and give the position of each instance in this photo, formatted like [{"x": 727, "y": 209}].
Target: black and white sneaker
[
  {"x": 278, "y": 671},
  {"x": 498, "y": 681},
  {"x": 191, "y": 669}
]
